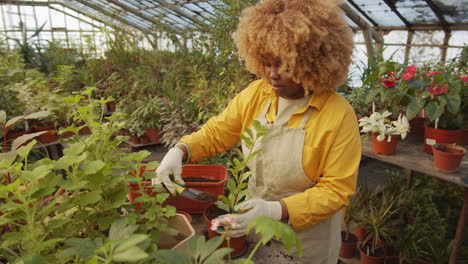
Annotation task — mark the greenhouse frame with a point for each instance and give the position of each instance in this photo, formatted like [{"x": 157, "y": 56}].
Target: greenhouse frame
[{"x": 95, "y": 94}]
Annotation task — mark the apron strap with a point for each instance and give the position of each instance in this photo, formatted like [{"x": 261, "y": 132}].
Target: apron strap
[
  {"x": 265, "y": 110},
  {"x": 306, "y": 118}
]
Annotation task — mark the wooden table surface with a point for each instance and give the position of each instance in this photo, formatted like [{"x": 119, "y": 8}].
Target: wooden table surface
[{"x": 410, "y": 154}]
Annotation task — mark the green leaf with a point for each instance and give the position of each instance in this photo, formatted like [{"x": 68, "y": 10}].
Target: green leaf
[
  {"x": 34, "y": 259},
  {"x": 120, "y": 229},
  {"x": 12, "y": 238},
  {"x": 453, "y": 102},
  {"x": 89, "y": 198},
  {"x": 7, "y": 158},
  {"x": 211, "y": 246},
  {"x": 245, "y": 175},
  {"x": 25, "y": 138},
  {"x": 413, "y": 108},
  {"x": 48, "y": 244},
  {"x": 2, "y": 118},
  {"x": 83, "y": 248},
  {"x": 218, "y": 256},
  {"x": 231, "y": 185},
  {"x": 431, "y": 109},
  {"x": 130, "y": 242},
  {"x": 170, "y": 257},
  {"x": 14, "y": 121},
  {"x": 42, "y": 192},
  {"x": 371, "y": 95},
  {"x": 265, "y": 227},
  {"x": 93, "y": 167},
  {"x": 249, "y": 132},
  {"x": 70, "y": 186},
  {"x": 75, "y": 149}
]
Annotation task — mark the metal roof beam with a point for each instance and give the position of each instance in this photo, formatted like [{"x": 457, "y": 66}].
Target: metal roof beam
[
  {"x": 363, "y": 13},
  {"x": 75, "y": 17},
  {"x": 26, "y": 3},
  {"x": 420, "y": 28},
  {"x": 121, "y": 19},
  {"x": 180, "y": 12},
  {"x": 439, "y": 15},
  {"x": 65, "y": 4},
  {"x": 394, "y": 9},
  {"x": 137, "y": 13},
  {"x": 361, "y": 23}
]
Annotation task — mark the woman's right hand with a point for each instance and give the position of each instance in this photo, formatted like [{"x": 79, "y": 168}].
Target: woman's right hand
[{"x": 171, "y": 164}]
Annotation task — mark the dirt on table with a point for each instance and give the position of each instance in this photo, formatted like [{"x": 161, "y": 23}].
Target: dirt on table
[{"x": 196, "y": 179}]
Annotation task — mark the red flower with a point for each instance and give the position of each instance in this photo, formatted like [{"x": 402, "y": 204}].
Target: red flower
[
  {"x": 409, "y": 72},
  {"x": 388, "y": 82},
  {"x": 465, "y": 79},
  {"x": 432, "y": 73},
  {"x": 438, "y": 88}
]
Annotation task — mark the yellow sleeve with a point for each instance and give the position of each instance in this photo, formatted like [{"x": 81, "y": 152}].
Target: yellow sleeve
[
  {"x": 223, "y": 131},
  {"x": 337, "y": 182}
]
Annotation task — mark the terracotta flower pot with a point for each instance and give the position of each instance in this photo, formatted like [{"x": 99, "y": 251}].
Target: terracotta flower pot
[
  {"x": 463, "y": 137},
  {"x": 377, "y": 258},
  {"x": 447, "y": 157},
  {"x": 48, "y": 137},
  {"x": 144, "y": 140},
  {"x": 360, "y": 233},
  {"x": 237, "y": 243},
  {"x": 417, "y": 127},
  {"x": 384, "y": 147},
  {"x": 134, "y": 140},
  {"x": 348, "y": 247},
  {"x": 153, "y": 135},
  {"x": 436, "y": 136}
]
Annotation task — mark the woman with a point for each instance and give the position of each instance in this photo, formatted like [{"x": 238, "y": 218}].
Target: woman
[{"x": 307, "y": 170}]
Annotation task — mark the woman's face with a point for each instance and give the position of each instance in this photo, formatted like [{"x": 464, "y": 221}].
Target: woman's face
[{"x": 280, "y": 82}]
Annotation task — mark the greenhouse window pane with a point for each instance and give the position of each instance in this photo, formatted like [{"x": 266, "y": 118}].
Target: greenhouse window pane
[
  {"x": 454, "y": 11},
  {"x": 11, "y": 17},
  {"x": 394, "y": 53},
  {"x": 453, "y": 53},
  {"x": 42, "y": 16},
  {"x": 416, "y": 12},
  {"x": 380, "y": 12},
  {"x": 424, "y": 55},
  {"x": 459, "y": 38},
  {"x": 396, "y": 37}
]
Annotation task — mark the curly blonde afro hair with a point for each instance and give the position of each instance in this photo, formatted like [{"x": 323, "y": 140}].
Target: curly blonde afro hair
[{"x": 310, "y": 37}]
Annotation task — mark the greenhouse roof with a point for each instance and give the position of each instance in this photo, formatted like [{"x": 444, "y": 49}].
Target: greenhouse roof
[{"x": 148, "y": 15}]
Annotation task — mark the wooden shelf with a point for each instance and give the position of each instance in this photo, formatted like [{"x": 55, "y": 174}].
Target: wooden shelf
[{"x": 410, "y": 155}]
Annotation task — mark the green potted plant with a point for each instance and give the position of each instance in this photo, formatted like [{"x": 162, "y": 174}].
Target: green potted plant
[
  {"x": 439, "y": 94},
  {"x": 349, "y": 239},
  {"x": 379, "y": 219},
  {"x": 385, "y": 132},
  {"x": 236, "y": 186}
]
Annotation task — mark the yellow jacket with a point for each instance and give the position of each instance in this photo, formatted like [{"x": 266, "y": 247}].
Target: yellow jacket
[{"x": 332, "y": 149}]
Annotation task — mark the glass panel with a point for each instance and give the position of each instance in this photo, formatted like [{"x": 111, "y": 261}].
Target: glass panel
[
  {"x": 359, "y": 63},
  {"x": 379, "y": 12},
  {"x": 416, "y": 12},
  {"x": 42, "y": 16},
  {"x": 58, "y": 19},
  {"x": 396, "y": 36},
  {"x": 454, "y": 11},
  {"x": 72, "y": 23},
  {"x": 394, "y": 53},
  {"x": 459, "y": 38},
  {"x": 12, "y": 17},
  {"x": 453, "y": 53}
]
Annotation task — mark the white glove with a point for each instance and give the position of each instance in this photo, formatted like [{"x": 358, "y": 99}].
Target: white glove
[
  {"x": 171, "y": 164},
  {"x": 256, "y": 207}
]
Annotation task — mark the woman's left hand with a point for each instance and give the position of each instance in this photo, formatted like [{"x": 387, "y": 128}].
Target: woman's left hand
[{"x": 252, "y": 209}]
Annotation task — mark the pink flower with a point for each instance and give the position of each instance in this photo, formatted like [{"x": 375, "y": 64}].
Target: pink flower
[
  {"x": 438, "y": 89},
  {"x": 227, "y": 222},
  {"x": 409, "y": 72},
  {"x": 432, "y": 73},
  {"x": 388, "y": 82},
  {"x": 465, "y": 79}
]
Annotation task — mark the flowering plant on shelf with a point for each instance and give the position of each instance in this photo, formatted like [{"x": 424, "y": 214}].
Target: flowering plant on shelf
[
  {"x": 439, "y": 94},
  {"x": 380, "y": 124}
]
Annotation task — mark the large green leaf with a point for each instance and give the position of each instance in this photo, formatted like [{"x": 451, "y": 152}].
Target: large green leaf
[
  {"x": 131, "y": 254},
  {"x": 89, "y": 198},
  {"x": 38, "y": 115},
  {"x": 120, "y": 229},
  {"x": 164, "y": 256},
  {"x": 371, "y": 95},
  {"x": 48, "y": 244},
  {"x": 93, "y": 167},
  {"x": 75, "y": 149},
  {"x": 24, "y": 150},
  {"x": 129, "y": 243},
  {"x": 12, "y": 122},
  {"x": 413, "y": 108},
  {"x": 453, "y": 102},
  {"x": 83, "y": 248},
  {"x": 7, "y": 158},
  {"x": 211, "y": 246}
]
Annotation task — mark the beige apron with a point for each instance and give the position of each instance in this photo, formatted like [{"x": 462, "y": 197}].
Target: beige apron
[{"x": 278, "y": 173}]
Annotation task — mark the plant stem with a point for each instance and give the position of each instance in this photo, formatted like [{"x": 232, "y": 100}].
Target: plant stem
[{"x": 254, "y": 250}]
